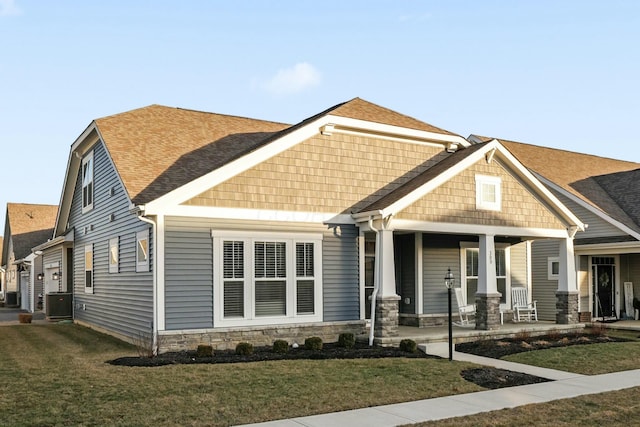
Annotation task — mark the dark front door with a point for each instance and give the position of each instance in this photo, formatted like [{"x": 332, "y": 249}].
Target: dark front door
[{"x": 603, "y": 277}]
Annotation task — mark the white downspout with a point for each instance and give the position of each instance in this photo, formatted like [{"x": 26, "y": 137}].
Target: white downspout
[
  {"x": 376, "y": 282},
  {"x": 154, "y": 328}
]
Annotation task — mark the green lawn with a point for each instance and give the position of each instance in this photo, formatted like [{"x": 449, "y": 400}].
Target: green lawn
[{"x": 56, "y": 375}]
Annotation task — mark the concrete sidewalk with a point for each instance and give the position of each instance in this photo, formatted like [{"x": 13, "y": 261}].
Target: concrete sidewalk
[{"x": 566, "y": 385}]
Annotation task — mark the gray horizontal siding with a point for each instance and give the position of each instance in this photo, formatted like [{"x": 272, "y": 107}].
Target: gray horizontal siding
[
  {"x": 518, "y": 268},
  {"x": 544, "y": 290},
  {"x": 189, "y": 298},
  {"x": 435, "y": 262},
  {"x": 597, "y": 226},
  {"x": 341, "y": 287},
  {"x": 122, "y": 302}
]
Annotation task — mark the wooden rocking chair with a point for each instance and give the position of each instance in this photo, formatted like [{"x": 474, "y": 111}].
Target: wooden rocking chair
[
  {"x": 464, "y": 311},
  {"x": 522, "y": 308}
]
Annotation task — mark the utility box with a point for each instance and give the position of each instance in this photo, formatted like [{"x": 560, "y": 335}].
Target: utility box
[
  {"x": 11, "y": 299},
  {"x": 59, "y": 305}
]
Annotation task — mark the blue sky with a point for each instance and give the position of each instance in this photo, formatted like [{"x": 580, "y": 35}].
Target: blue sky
[{"x": 563, "y": 74}]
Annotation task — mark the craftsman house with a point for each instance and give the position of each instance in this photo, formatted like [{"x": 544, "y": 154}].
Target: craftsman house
[
  {"x": 193, "y": 227},
  {"x": 26, "y": 226},
  {"x": 605, "y": 195}
]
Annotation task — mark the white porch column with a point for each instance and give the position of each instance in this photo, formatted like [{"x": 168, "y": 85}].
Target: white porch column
[
  {"x": 567, "y": 293},
  {"x": 487, "y": 283},
  {"x": 487, "y": 295},
  {"x": 387, "y": 274},
  {"x": 386, "y": 312},
  {"x": 567, "y": 281}
]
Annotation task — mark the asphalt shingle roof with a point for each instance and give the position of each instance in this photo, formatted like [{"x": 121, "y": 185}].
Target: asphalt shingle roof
[
  {"x": 157, "y": 149},
  {"x": 29, "y": 225}
]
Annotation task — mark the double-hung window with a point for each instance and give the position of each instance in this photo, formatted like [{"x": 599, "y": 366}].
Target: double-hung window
[
  {"x": 87, "y": 182},
  {"x": 267, "y": 278},
  {"x": 470, "y": 262}
]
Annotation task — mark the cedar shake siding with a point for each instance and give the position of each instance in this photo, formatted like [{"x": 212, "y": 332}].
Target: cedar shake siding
[
  {"x": 121, "y": 302},
  {"x": 455, "y": 201},
  {"x": 189, "y": 297},
  {"x": 341, "y": 174}
]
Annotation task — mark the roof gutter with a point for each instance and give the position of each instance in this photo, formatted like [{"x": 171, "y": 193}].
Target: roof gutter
[{"x": 154, "y": 326}]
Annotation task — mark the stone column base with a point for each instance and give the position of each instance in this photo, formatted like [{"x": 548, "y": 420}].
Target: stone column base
[
  {"x": 567, "y": 308},
  {"x": 487, "y": 311},
  {"x": 387, "y": 315}
]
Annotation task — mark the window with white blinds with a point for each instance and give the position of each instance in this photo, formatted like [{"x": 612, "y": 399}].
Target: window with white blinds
[
  {"x": 304, "y": 278},
  {"x": 233, "y": 274},
  {"x": 267, "y": 278}
]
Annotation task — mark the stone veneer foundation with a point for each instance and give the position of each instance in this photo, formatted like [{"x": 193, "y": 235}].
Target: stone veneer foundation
[
  {"x": 228, "y": 338},
  {"x": 567, "y": 308},
  {"x": 487, "y": 311},
  {"x": 387, "y": 314}
]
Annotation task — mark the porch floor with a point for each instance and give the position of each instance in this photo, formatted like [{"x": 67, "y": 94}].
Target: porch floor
[
  {"x": 508, "y": 329},
  {"x": 464, "y": 334}
]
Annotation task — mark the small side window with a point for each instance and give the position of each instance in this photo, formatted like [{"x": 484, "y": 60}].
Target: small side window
[
  {"x": 553, "y": 268},
  {"x": 114, "y": 255},
  {"x": 488, "y": 193},
  {"x": 88, "y": 269},
  {"x": 87, "y": 182},
  {"x": 142, "y": 251}
]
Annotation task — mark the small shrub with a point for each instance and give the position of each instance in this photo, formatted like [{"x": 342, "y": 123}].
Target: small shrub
[
  {"x": 313, "y": 343},
  {"x": 599, "y": 329},
  {"x": 347, "y": 340},
  {"x": 408, "y": 345},
  {"x": 204, "y": 350},
  {"x": 244, "y": 349},
  {"x": 554, "y": 335},
  {"x": 280, "y": 346},
  {"x": 523, "y": 336}
]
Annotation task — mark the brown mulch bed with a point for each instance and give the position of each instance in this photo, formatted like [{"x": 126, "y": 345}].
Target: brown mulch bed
[
  {"x": 328, "y": 351},
  {"x": 499, "y": 348}
]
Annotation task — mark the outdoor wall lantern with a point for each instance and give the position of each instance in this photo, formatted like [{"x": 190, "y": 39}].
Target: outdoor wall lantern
[
  {"x": 448, "y": 282},
  {"x": 40, "y": 276},
  {"x": 56, "y": 276}
]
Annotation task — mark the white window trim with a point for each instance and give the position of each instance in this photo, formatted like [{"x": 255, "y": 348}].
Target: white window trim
[
  {"x": 219, "y": 236},
  {"x": 463, "y": 270},
  {"x": 550, "y": 262},
  {"x": 88, "y": 248},
  {"x": 114, "y": 244},
  {"x": 86, "y": 159},
  {"x": 143, "y": 266},
  {"x": 488, "y": 180}
]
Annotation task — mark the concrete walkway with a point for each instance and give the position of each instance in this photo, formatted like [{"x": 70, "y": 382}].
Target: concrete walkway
[{"x": 566, "y": 385}]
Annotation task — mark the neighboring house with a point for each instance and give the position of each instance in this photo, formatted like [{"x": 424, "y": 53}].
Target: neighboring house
[
  {"x": 2, "y": 279},
  {"x": 193, "y": 227},
  {"x": 605, "y": 194},
  {"x": 26, "y": 225}
]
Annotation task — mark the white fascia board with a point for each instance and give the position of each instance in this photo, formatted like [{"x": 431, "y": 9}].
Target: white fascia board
[
  {"x": 344, "y": 124},
  {"x": 255, "y": 214},
  {"x": 476, "y": 229},
  {"x": 607, "y": 248},
  {"x": 469, "y": 161},
  {"x": 68, "y": 187},
  {"x": 600, "y": 214},
  {"x": 51, "y": 243}
]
